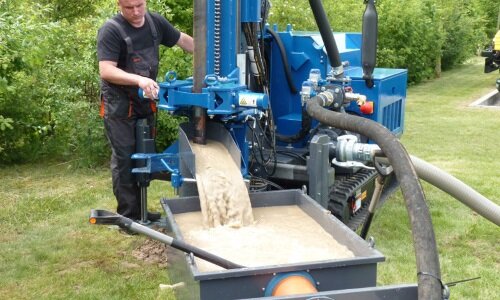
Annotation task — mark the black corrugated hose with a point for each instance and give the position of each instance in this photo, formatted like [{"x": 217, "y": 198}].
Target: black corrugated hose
[{"x": 428, "y": 269}]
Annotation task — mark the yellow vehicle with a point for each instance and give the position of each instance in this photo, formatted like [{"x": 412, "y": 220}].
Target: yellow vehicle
[{"x": 492, "y": 54}]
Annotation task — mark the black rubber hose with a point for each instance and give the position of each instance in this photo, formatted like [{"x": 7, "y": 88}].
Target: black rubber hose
[
  {"x": 304, "y": 130},
  {"x": 326, "y": 33},
  {"x": 424, "y": 242},
  {"x": 284, "y": 58}
]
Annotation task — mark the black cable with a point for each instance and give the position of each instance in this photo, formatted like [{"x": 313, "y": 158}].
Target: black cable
[
  {"x": 272, "y": 156},
  {"x": 258, "y": 151},
  {"x": 291, "y": 154}
]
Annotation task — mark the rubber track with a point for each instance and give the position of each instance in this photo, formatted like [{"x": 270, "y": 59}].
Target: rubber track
[{"x": 345, "y": 187}]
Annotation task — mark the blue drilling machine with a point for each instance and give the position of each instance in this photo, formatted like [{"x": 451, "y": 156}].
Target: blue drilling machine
[
  {"x": 310, "y": 121},
  {"x": 254, "y": 83}
]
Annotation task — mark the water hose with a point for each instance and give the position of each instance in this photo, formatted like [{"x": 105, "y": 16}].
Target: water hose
[
  {"x": 424, "y": 241},
  {"x": 456, "y": 188}
]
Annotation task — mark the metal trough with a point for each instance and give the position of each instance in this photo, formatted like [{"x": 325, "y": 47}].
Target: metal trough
[
  {"x": 340, "y": 275},
  {"x": 490, "y": 100}
]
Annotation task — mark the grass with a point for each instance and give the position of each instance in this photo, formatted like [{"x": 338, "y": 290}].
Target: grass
[
  {"x": 48, "y": 250},
  {"x": 464, "y": 141}
]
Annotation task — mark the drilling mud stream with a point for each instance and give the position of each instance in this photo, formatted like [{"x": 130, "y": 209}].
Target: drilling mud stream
[{"x": 223, "y": 195}]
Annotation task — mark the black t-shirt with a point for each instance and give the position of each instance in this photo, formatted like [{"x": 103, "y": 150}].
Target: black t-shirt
[{"x": 112, "y": 47}]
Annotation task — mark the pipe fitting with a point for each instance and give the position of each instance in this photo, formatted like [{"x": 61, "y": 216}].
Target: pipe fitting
[
  {"x": 359, "y": 98},
  {"x": 326, "y": 97},
  {"x": 348, "y": 149}
]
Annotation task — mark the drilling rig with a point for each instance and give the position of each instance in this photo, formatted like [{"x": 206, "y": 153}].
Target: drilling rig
[
  {"x": 310, "y": 120},
  {"x": 254, "y": 84}
]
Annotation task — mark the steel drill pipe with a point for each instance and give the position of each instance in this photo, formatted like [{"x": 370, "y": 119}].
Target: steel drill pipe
[
  {"x": 200, "y": 69},
  {"x": 424, "y": 241}
]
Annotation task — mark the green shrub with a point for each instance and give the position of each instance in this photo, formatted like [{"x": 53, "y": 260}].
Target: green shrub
[
  {"x": 409, "y": 37},
  {"x": 342, "y": 16},
  {"x": 463, "y": 35},
  {"x": 48, "y": 74},
  {"x": 167, "y": 129},
  {"x": 49, "y": 83}
]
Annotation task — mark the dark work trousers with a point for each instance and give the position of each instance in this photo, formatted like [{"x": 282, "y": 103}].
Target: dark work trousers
[{"x": 121, "y": 136}]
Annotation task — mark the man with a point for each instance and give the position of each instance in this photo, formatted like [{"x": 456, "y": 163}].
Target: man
[{"x": 128, "y": 54}]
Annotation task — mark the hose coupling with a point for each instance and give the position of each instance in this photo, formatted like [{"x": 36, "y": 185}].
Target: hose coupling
[
  {"x": 338, "y": 71},
  {"x": 327, "y": 97},
  {"x": 348, "y": 149}
]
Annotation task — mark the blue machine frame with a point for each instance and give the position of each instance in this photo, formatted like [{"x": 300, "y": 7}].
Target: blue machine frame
[
  {"x": 305, "y": 51},
  {"x": 227, "y": 100}
]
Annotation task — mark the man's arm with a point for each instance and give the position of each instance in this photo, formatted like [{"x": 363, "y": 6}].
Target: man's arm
[
  {"x": 186, "y": 42},
  {"x": 109, "y": 71}
]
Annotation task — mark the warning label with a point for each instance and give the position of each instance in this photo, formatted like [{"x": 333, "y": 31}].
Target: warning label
[{"x": 248, "y": 100}]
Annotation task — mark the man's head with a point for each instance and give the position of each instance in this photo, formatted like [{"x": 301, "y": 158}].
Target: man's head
[{"x": 133, "y": 11}]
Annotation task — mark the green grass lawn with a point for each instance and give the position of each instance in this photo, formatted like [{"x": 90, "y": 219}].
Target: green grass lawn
[
  {"x": 464, "y": 141},
  {"x": 49, "y": 251}
]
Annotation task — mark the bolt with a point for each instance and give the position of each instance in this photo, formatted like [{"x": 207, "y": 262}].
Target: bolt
[{"x": 337, "y": 90}]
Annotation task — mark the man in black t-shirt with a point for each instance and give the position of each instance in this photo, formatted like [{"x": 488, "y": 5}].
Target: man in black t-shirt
[{"x": 128, "y": 54}]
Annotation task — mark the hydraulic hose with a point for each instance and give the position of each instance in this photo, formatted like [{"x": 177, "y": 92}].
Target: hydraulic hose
[
  {"x": 424, "y": 241},
  {"x": 284, "y": 59},
  {"x": 326, "y": 33},
  {"x": 456, "y": 188}
]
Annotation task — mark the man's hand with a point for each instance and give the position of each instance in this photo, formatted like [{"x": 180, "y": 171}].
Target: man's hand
[
  {"x": 150, "y": 87},
  {"x": 111, "y": 73}
]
